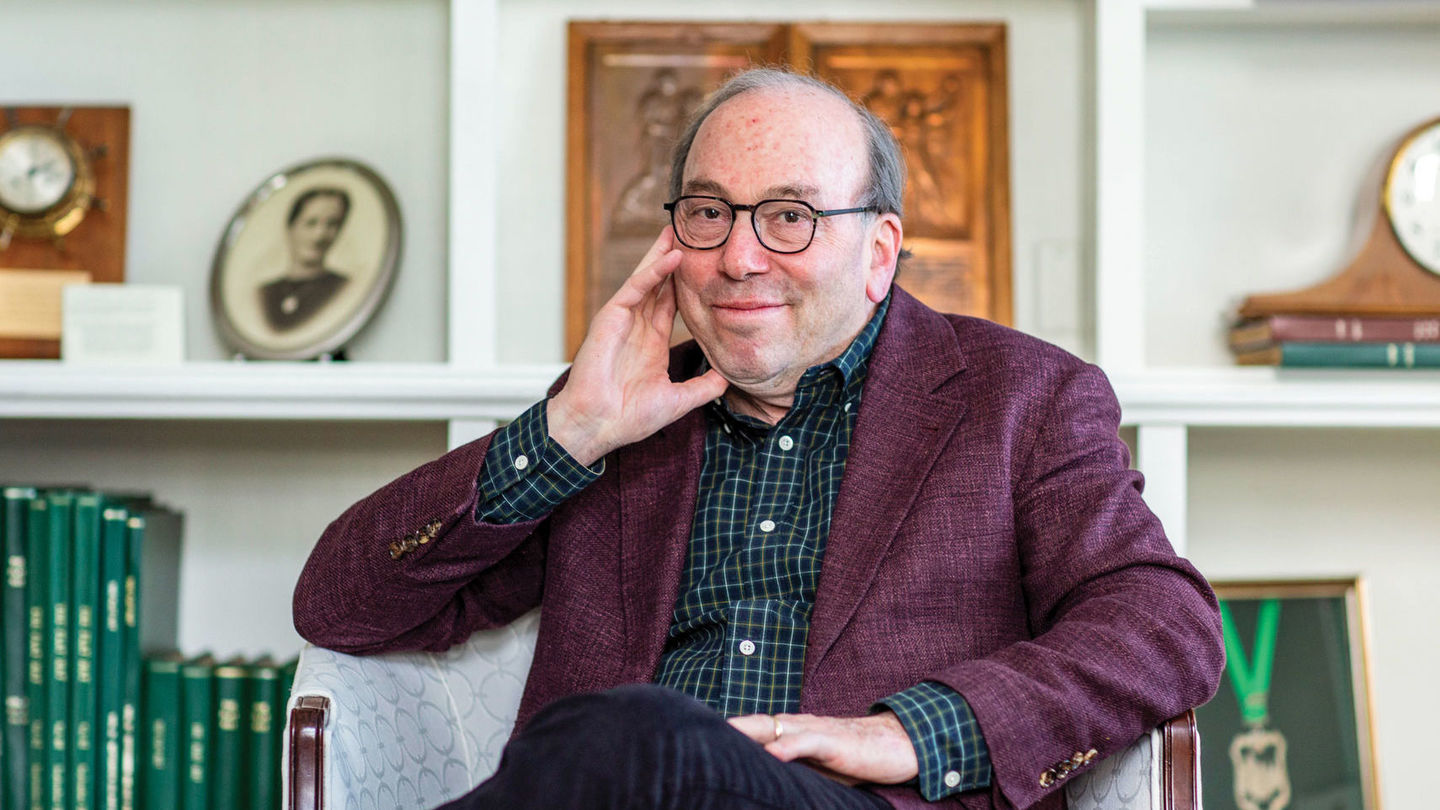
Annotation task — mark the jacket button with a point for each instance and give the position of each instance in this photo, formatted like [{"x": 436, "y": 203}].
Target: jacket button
[
  {"x": 1047, "y": 779},
  {"x": 1077, "y": 759},
  {"x": 396, "y": 552},
  {"x": 1091, "y": 755}
]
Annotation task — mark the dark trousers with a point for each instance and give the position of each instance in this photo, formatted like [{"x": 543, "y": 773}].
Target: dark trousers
[{"x": 649, "y": 747}]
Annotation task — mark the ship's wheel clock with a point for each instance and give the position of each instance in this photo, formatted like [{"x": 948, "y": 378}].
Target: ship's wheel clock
[{"x": 63, "y": 190}]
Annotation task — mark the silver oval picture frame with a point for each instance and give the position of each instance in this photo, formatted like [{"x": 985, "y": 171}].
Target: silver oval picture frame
[{"x": 306, "y": 261}]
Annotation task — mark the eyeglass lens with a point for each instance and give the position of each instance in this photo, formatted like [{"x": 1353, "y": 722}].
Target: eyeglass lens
[{"x": 782, "y": 225}]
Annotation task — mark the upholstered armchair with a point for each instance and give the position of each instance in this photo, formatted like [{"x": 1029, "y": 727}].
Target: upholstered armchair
[{"x": 419, "y": 729}]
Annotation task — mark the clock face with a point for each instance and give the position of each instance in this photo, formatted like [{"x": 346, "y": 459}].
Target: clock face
[
  {"x": 36, "y": 170},
  {"x": 1412, "y": 197}
]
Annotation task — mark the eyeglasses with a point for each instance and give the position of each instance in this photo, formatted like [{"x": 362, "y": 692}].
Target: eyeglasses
[{"x": 783, "y": 226}]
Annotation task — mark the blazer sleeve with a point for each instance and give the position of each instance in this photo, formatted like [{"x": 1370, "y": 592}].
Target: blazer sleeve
[
  {"x": 410, "y": 568},
  {"x": 1125, "y": 633}
]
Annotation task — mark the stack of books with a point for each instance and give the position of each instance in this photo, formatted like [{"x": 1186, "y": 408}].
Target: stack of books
[
  {"x": 74, "y": 630},
  {"x": 213, "y": 732},
  {"x": 72, "y": 616},
  {"x": 1318, "y": 341}
]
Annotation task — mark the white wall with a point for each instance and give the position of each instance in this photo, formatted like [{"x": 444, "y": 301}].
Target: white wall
[
  {"x": 1047, "y": 133},
  {"x": 1259, "y": 139},
  {"x": 224, "y": 94}
]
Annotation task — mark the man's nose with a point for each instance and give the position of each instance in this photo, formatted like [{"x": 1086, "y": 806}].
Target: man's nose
[{"x": 742, "y": 254}]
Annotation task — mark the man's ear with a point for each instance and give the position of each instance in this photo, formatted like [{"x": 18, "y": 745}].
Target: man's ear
[{"x": 885, "y": 235}]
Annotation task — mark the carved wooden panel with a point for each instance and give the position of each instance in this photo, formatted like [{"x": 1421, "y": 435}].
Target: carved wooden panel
[{"x": 942, "y": 89}]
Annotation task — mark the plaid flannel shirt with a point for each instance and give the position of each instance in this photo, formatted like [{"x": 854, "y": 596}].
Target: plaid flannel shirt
[{"x": 737, "y": 637}]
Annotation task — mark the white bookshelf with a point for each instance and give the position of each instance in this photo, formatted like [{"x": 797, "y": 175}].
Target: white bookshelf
[{"x": 489, "y": 229}]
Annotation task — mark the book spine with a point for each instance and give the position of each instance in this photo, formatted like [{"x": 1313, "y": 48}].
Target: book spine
[
  {"x": 112, "y": 653},
  {"x": 14, "y": 745},
  {"x": 163, "y": 752},
  {"x": 37, "y": 646},
  {"x": 228, "y": 773},
  {"x": 61, "y": 633},
  {"x": 130, "y": 696},
  {"x": 198, "y": 708},
  {"x": 84, "y": 699},
  {"x": 264, "y": 732},
  {"x": 1360, "y": 355},
  {"x": 1298, "y": 328}
]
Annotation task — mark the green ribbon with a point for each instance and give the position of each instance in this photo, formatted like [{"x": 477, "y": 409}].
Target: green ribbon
[{"x": 1251, "y": 680}]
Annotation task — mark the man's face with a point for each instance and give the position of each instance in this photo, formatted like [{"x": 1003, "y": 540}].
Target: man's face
[
  {"x": 764, "y": 317},
  {"x": 315, "y": 229}
]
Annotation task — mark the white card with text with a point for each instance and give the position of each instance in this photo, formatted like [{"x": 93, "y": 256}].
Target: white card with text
[{"x": 123, "y": 324}]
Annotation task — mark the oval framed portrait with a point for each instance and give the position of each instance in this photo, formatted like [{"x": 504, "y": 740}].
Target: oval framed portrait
[{"x": 306, "y": 261}]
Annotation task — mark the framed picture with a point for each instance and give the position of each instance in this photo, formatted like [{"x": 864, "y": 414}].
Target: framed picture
[
  {"x": 306, "y": 261},
  {"x": 1291, "y": 724},
  {"x": 941, "y": 87}
]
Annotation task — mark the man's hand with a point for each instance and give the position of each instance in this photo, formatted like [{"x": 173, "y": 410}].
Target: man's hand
[
  {"x": 619, "y": 391},
  {"x": 872, "y": 749}
]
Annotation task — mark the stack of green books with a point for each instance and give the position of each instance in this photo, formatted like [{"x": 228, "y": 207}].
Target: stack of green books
[
  {"x": 72, "y": 618},
  {"x": 213, "y": 732}
]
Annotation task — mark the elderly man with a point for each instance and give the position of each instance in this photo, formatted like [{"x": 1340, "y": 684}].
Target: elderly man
[{"x": 840, "y": 551}]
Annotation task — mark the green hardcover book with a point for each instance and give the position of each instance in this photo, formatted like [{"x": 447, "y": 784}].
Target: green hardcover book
[
  {"x": 266, "y": 712},
  {"x": 113, "y": 656},
  {"x": 14, "y": 624},
  {"x": 1345, "y": 355},
  {"x": 37, "y": 646},
  {"x": 59, "y": 628},
  {"x": 151, "y": 564},
  {"x": 197, "y": 699},
  {"x": 84, "y": 612},
  {"x": 228, "y": 772},
  {"x": 163, "y": 757}
]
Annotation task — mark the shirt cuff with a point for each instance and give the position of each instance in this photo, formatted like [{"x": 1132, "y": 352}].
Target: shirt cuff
[
  {"x": 951, "y": 751},
  {"x": 526, "y": 473}
]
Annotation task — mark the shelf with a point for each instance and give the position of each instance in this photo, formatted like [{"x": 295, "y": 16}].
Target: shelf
[
  {"x": 1292, "y": 12},
  {"x": 297, "y": 391},
  {"x": 1270, "y": 397}
]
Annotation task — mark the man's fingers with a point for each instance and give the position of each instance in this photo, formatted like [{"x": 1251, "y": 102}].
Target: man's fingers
[
  {"x": 696, "y": 392},
  {"x": 758, "y": 727},
  {"x": 659, "y": 261}
]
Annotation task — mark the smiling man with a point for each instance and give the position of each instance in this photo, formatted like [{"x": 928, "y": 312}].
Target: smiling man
[{"x": 840, "y": 551}]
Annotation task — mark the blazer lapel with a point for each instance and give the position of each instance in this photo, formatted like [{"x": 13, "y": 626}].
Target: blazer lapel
[
  {"x": 659, "y": 482},
  {"x": 910, "y": 406}
]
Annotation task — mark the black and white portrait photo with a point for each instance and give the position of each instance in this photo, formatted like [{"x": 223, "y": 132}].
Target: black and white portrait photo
[{"x": 306, "y": 261}]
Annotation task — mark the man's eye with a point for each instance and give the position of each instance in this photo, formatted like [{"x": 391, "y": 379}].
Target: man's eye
[
  {"x": 791, "y": 216},
  {"x": 711, "y": 213}
]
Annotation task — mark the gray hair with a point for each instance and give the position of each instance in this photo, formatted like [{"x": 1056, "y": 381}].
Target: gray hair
[{"x": 885, "y": 189}]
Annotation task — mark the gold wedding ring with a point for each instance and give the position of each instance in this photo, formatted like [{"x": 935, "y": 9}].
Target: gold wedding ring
[{"x": 779, "y": 729}]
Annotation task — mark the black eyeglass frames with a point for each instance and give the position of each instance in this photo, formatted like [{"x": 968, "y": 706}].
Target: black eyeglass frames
[{"x": 703, "y": 222}]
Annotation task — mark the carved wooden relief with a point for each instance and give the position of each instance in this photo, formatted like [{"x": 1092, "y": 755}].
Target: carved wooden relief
[{"x": 940, "y": 87}]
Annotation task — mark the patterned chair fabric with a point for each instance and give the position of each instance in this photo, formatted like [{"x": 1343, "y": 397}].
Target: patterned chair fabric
[{"x": 419, "y": 729}]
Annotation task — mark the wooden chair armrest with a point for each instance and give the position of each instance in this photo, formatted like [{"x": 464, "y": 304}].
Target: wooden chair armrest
[{"x": 306, "y": 763}]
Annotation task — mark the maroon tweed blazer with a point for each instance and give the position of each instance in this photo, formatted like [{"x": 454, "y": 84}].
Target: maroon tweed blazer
[{"x": 988, "y": 535}]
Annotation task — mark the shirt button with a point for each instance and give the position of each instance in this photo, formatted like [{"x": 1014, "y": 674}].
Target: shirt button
[
  {"x": 747, "y": 647},
  {"x": 952, "y": 779},
  {"x": 786, "y": 442},
  {"x": 847, "y": 407},
  {"x": 522, "y": 461},
  {"x": 767, "y": 525}
]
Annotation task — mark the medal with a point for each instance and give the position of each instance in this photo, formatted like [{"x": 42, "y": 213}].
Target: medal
[{"x": 1257, "y": 754}]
